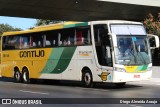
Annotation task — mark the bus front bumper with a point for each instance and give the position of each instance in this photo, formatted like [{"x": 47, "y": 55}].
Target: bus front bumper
[{"x": 126, "y": 77}]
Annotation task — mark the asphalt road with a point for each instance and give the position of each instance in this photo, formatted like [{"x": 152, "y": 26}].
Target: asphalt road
[{"x": 68, "y": 89}]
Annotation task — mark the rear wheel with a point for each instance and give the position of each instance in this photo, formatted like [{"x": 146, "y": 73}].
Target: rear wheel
[
  {"x": 87, "y": 79},
  {"x": 25, "y": 75},
  {"x": 17, "y": 76}
]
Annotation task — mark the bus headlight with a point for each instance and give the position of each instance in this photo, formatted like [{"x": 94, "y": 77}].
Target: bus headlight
[{"x": 120, "y": 69}]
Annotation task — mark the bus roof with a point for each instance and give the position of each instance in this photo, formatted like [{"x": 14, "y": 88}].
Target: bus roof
[
  {"x": 47, "y": 28},
  {"x": 65, "y": 25}
]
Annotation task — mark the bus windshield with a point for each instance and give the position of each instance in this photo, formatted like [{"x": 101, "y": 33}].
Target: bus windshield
[{"x": 132, "y": 50}]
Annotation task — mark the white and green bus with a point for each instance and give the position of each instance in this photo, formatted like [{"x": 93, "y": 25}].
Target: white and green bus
[{"x": 96, "y": 51}]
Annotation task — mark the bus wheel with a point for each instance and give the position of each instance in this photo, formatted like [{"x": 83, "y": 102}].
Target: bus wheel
[
  {"x": 120, "y": 85},
  {"x": 25, "y": 75},
  {"x": 87, "y": 79},
  {"x": 17, "y": 76}
]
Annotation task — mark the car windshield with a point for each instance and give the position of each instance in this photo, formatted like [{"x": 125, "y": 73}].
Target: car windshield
[{"x": 132, "y": 50}]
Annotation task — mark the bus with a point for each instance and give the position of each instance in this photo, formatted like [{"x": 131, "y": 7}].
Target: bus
[{"x": 90, "y": 52}]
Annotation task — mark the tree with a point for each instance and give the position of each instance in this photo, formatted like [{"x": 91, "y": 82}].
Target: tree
[
  {"x": 6, "y": 27},
  {"x": 46, "y": 22},
  {"x": 152, "y": 24}
]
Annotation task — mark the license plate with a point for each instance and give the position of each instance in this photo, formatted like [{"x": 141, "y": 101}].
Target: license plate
[{"x": 136, "y": 76}]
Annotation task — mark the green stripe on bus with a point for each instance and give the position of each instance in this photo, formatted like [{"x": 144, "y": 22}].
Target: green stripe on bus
[
  {"x": 65, "y": 59},
  {"x": 142, "y": 68},
  {"x": 81, "y": 24},
  {"x": 59, "y": 60},
  {"x": 75, "y": 25},
  {"x": 69, "y": 26},
  {"x": 53, "y": 60}
]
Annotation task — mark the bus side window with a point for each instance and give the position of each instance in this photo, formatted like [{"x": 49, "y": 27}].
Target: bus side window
[
  {"x": 24, "y": 42},
  {"x": 66, "y": 37},
  {"x": 11, "y": 42},
  {"x": 51, "y": 38},
  {"x": 83, "y": 36}
]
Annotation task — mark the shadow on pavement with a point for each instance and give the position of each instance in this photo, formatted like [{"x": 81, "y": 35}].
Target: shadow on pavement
[
  {"x": 72, "y": 83},
  {"x": 6, "y": 79}
]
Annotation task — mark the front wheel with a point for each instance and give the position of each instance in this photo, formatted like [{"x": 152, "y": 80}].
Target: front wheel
[
  {"x": 87, "y": 79},
  {"x": 25, "y": 75}
]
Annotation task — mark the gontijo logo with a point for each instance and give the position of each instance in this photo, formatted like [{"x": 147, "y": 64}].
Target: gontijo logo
[{"x": 34, "y": 53}]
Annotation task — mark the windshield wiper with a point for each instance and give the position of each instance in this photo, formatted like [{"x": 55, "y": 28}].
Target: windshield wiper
[
  {"x": 142, "y": 59},
  {"x": 135, "y": 60}
]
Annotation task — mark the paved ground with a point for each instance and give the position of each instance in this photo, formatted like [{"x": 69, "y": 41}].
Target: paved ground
[
  {"x": 156, "y": 72},
  {"x": 143, "y": 89}
]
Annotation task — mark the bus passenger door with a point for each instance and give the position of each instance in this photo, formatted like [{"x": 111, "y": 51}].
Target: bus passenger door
[
  {"x": 102, "y": 45},
  {"x": 103, "y": 52}
]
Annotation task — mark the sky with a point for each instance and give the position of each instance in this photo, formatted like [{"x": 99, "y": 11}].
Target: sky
[{"x": 23, "y": 23}]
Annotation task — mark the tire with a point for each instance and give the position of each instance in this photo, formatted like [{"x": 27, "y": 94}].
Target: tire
[
  {"x": 120, "y": 85},
  {"x": 25, "y": 75},
  {"x": 17, "y": 76},
  {"x": 87, "y": 79}
]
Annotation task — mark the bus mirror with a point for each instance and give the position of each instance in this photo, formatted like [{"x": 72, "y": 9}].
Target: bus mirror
[
  {"x": 153, "y": 40},
  {"x": 114, "y": 39}
]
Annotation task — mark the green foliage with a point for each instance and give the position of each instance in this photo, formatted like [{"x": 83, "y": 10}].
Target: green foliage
[
  {"x": 41, "y": 22},
  {"x": 152, "y": 24},
  {"x": 6, "y": 28}
]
